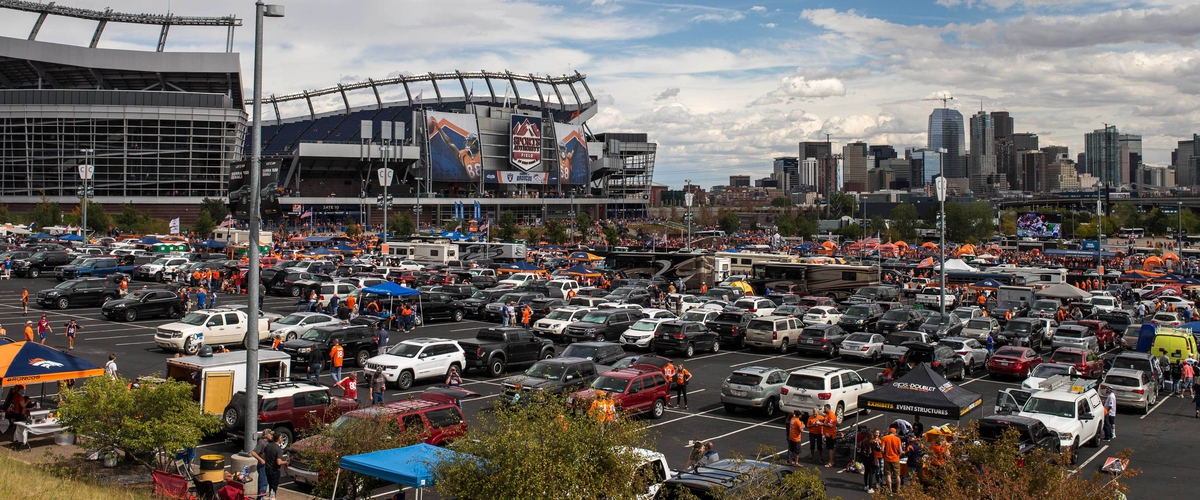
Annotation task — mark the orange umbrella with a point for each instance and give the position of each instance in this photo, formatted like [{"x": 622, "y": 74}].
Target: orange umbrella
[
  {"x": 901, "y": 244},
  {"x": 929, "y": 244},
  {"x": 1170, "y": 256},
  {"x": 1152, "y": 262}
]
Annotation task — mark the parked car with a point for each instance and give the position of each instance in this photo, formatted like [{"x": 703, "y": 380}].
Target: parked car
[
  {"x": 868, "y": 346},
  {"x": 1086, "y": 361},
  {"x": 641, "y": 335},
  {"x": 699, "y": 315},
  {"x": 635, "y": 389},
  {"x": 685, "y": 337},
  {"x": 774, "y": 332},
  {"x": 1132, "y": 388},
  {"x": 1028, "y": 332},
  {"x": 759, "y": 306},
  {"x": 1013, "y": 361},
  {"x": 144, "y": 304},
  {"x": 973, "y": 353},
  {"x": 893, "y": 344},
  {"x": 1032, "y": 434},
  {"x": 78, "y": 292},
  {"x": 1074, "y": 336},
  {"x": 1119, "y": 321},
  {"x": 822, "y": 339},
  {"x": 358, "y": 344},
  {"x": 287, "y": 408},
  {"x": 861, "y": 318},
  {"x": 943, "y": 360},
  {"x": 291, "y": 326},
  {"x": 417, "y": 359},
  {"x": 790, "y": 311},
  {"x": 822, "y": 315},
  {"x": 439, "y": 305},
  {"x": 1164, "y": 318},
  {"x": 601, "y": 324},
  {"x": 1143, "y": 361},
  {"x": 603, "y": 353},
  {"x": 494, "y": 349},
  {"x": 807, "y": 388},
  {"x": 41, "y": 262},
  {"x": 1106, "y": 338},
  {"x": 943, "y": 326},
  {"x": 555, "y": 323},
  {"x": 550, "y": 376},
  {"x": 753, "y": 387},
  {"x": 980, "y": 328},
  {"x": 896, "y": 320}
]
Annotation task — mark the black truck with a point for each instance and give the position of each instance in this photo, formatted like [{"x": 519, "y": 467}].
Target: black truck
[
  {"x": 494, "y": 349},
  {"x": 1031, "y": 433},
  {"x": 41, "y": 262},
  {"x": 358, "y": 342},
  {"x": 551, "y": 377},
  {"x": 604, "y": 324}
]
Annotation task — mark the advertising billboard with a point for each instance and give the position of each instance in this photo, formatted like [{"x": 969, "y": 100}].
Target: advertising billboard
[
  {"x": 514, "y": 177},
  {"x": 572, "y": 153},
  {"x": 1039, "y": 226},
  {"x": 239, "y": 189},
  {"x": 455, "y": 154},
  {"x": 525, "y": 142}
]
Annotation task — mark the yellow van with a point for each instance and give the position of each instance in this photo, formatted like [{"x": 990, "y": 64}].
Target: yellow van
[{"x": 1177, "y": 344}]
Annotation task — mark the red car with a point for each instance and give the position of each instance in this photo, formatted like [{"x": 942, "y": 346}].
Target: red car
[
  {"x": 1013, "y": 361},
  {"x": 635, "y": 389},
  {"x": 1086, "y": 362},
  {"x": 1105, "y": 336}
]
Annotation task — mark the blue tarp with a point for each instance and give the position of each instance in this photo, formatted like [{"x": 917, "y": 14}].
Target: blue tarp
[
  {"x": 209, "y": 243},
  {"x": 318, "y": 239},
  {"x": 391, "y": 289},
  {"x": 1193, "y": 326},
  {"x": 453, "y": 235},
  {"x": 41, "y": 236},
  {"x": 1078, "y": 253},
  {"x": 410, "y": 466},
  {"x": 521, "y": 266},
  {"x": 344, "y": 247},
  {"x": 71, "y": 237},
  {"x": 321, "y": 251},
  {"x": 149, "y": 240},
  {"x": 1146, "y": 337}
]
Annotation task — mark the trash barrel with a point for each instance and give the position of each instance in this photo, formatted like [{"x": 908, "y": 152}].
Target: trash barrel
[{"x": 212, "y": 468}]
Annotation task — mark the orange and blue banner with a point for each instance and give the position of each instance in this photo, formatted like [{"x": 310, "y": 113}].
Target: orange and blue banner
[{"x": 33, "y": 363}]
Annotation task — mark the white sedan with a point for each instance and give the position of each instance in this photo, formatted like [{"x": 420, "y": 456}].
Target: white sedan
[
  {"x": 640, "y": 334},
  {"x": 863, "y": 346},
  {"x": 409, "y": 265},
  {"x": 822, "y": 315},
  {"x": 291, "y": 326}
]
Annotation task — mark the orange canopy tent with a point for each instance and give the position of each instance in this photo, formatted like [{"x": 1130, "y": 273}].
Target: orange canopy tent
[
  {"x": 901, "y": 244},
  {"x": 829, "y": 245},
  {"x": 887, "y": 250},
  {"x": 930, "y": 245},
  {"x": 1152, "y": 262},
  {"x": 31, "y": 363},
  {"x": 966, "y": 249},
  {"x": 1170, "y": 256}
]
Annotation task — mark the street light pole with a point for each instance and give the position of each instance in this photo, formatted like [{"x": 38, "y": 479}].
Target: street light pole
[
  {"x": 252, "y": 274},
  {"x": 687, "y": 197},
  {"x": 86, "y": 175},
  {"x": 417, "y": 209},
  {"x": 1178, "y": 230},
  {"x": 1100, "y": 226},
  {"x": 941, "y": 194}
]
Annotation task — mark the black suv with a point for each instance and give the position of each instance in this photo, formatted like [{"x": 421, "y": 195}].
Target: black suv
[
  {"x": 730, "y": 326},
  {"x": 79, "y": 292},
  {"x": 685, "y": 337},
  {"x": 873, "y": 294},
  {"x": 294, "y": 283},
  {"x": 476, "y": 304},
  {"x": 896, "y": 320},
  {"x": 942, "y": 359},
  {"x": 823, "y": 339},
  {"x": 541, "y": 307},
  {"x": 437, "y": 305},
  {"x": 861, "y": 318},
  {"x": 603, "y": 324},
  {"x": 358, "y": 341},
  {"x": 1025, "y": 332},
  {"x": 1118, "y": 320},
  {"x": 603, "y": 353},
  {"x": 630, "y": 295},
  {"x": 550, "y": 376},
  {"x": 459, "y": 292},
  {"x": 144, "y": 304},
  {"x": 1018, "y": 308},
  {"x": 1032, "y": 433},
  {"x": 41, "y": 262}
]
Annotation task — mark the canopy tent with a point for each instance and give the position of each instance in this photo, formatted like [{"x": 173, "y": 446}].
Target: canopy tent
[
  {"x": 71, "y": 237},
  {"x": 1062, "y": 291},
  {"x": 887, "y": 249},
  {"x": 901, "y": 244},
  {"x": 149, "y": 240},
  {"x": 391, "y": 289},
  {"x": 925, "y": 263},
  {"x": 1170, "y": 256},
  {"x": 930, "y": 245},
  {"x": 582, "y": 271},
  {"x": 829, "y": 245},
  {"x": 743, "y": 286},
  {"x": 41, "y": 236},
  {"x": 987, "y": 284},
  {"x": 410, "y": 466},
  {"x": 584, "y": 257},
  {"x": 31, "y": 363},
  {"x": 209, "y": 243},
  {"x": 320, "y": 251},
  {"x": 922, "y": 392},
  {"x": 1153, "y": 262},
  {"x": 1167, "y": 278},
  {"x": 957, "y": 265},
  {"x": 343, "y": 247},
  {"x": 520, "y": 267}
]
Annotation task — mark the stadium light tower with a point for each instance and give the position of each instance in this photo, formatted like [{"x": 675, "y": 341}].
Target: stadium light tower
[
  {"x": 941, "y": 194},
  {"x": 86, "y": 172},
  {"x": 252, "y": 275}
]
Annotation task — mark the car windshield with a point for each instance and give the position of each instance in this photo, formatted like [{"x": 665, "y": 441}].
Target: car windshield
[
  {"x": 939, "y": 320},
  {"x": 859, "y": 337},
  {"x": 979, "y": 324},
  {"x": 560, "y": 315},
  {"x": 1102, "y": 301},
  {"x": 546, "y": 371},
  {"x": 859, "y": 311},
  {"x": 315, "y": 335},
  {"x": 1050, "y": 407},
  {"x": 1066, "y": 357},
  {"x": 693, "y": 316},
  {"x": 895, "y": 316},
  {"x": 1009, "y": 351},
  {"x": 868, "y": 293},
  {"x": 482, "y": 295},
  {"x": 597, "y": 318},
  {"x": 788, "y": 309},
  {"x": 808, "y": 382},
  {"x": 1045, "y": 305},
  {"x": 141, "y": 294},
  {"x": 1131, "y": 363},
  {"x": 902, "y": 337},
  {"x": 510, "y": 297},
  {"x": 610, "y": 384},
  {"x": 1122, "y": 381},
  {"x": 1047, "y": 370},
  {"x": 1072, "y": 333},
  {"x": 1018, "y": 327},
  {"x": 644, "y": 326},
  {"x": 953, "y": 344},
  {"x": 291, "y": 319},
  {"x": 402, "y": 350},
  {"x": 575, "y": 351},
  {"x": 161, "y": 262},
  {"x": 194, "y": 319}
]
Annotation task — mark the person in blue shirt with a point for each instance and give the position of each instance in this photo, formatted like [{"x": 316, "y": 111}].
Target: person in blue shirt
[{"x": 201, "y": 299}]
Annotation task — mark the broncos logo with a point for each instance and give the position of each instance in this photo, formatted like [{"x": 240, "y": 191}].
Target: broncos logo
[{"x": 45, "y": 363}]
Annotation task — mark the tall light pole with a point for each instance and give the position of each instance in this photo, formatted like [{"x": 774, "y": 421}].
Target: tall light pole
[
  {"x": 687, "y": 200},
  {"x": 1179, "y": 229},
  {"x": 261, "y": 10},
  {"x": 1100, "y": 224},
  {"x": 941, "y": 194},
  {"x": 417, "y": 209},
  {"x": 86, "y": 172}
]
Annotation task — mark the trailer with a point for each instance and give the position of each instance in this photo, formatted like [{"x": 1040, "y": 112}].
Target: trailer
[
  {"x": 830, "y": 280},
  {"x": 217, "y": 377},
  {"x": 695, "y": 269},
  {"x": 496, "y": 252}
]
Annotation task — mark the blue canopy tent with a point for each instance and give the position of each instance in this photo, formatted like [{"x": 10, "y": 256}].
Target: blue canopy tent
[
  {"x": 410, "y": 466},
  {"x": 520, "y": 266},
  {"x": 343, "y": 247},
  {"x": 1189, "y": 281},
  {"x": 41, "y": 236},
  {"x": 321, "y": 251},
  {"x": 391, "y": 290},
  {"x": 149, "y": 240},
  {"x": 1193, "y": 326},
  {"x": 71, "y": 237},
  {"x": 578, "y": 269},
  {"x": 453, "y": 235},
  {"x": 209, "y": 243},
  {"x": 987, "y": 283}
]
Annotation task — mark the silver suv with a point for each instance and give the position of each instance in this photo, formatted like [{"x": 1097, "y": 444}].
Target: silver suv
[
  {"x": 773, "y": 332},
  {"x": 753, "y": 387},
  {"x": 1074, "y": 336}
]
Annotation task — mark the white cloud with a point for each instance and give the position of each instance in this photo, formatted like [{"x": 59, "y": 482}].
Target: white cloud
[
  {"x": 718, "y": 17},
  {"x": 667, "y": 94},
  {"x": 768, "y": 25},
  {"x": 758, "y": 8}
]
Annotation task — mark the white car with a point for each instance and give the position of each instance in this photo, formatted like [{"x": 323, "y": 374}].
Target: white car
[
  {"x": 556, "y": 322},
  {"x": 863, "y": 346},
  {"x": 641, "y": 333},
  {"x": 700, "y": 315},
  {"x": 759, "y": 306},
  {"x": 973, "y": 353},
  {"x": 1077, "y": 417},
  {"x": 518, "y": 279},
  {"x": 686, "y": 302},
  {"x": 807, "y": 389},
  {"x": 343, "y": 290},
  {"x": 409, "y": 265},
  {"x": 1103, "y": 303},
  {"x": 1044, "y": 371},
  {"x": 968, "y": 313},
  {"x": 822, "y": 315},
  {"x": 416, "y": 359},
  {"x": 292, "y": 325},
  {"x": 655, "y": 313},
  {"x": 1170, "y": 300},
  {"x": 213, "y": 327}
]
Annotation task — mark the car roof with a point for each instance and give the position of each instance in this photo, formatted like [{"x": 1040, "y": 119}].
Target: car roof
[
  {"x": 1128, "y": 372},
  {"x": 1016, "y": 419},
  {"x": 569, "y": 360},
  {"x": 756, "y": 369},
  {"x": 1072, "y": 350},
  {"x": 820, "y": 370},
  {"x": 592, "y": 344},
  {"x": 957, "y": 339},
  {"x": 426, "y": 341},
  {"x": 631, "y": 371},
  {"x": 817, "y": 327}
]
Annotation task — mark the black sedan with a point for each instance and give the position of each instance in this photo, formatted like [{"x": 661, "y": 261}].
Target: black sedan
[{"x": 144, "y": 304}]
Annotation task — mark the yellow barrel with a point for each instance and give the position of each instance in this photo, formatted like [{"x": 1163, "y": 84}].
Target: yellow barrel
[{"x": 212, "y": 468}]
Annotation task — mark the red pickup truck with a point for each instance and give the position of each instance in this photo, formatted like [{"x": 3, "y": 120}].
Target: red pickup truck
[{"x": 1106, "y": 338}]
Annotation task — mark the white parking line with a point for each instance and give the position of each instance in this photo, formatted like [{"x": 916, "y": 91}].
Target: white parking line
[
  {"x": 1160, "y": 403},
  {"x": 758, "y": 360},
  {"x": 760, "y": 424},
  {"x": 723, "y": 419},
  {"x": 687, "y": 416},
  {"x": 1089, "y": 460},
  {"x": 134, "y": 343}
]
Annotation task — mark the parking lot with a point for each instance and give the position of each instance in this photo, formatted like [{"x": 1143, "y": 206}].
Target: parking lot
[{"x": 1159, "y": 440}]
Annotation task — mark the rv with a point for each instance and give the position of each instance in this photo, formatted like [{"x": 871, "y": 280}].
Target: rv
[
  {"x": 215, "y": 378},
  {"x": 838, "y": 281},
  {"x": 441, "y": 252},
  {"x": 743, "y": 262},
  {"x": 495, "y": 252},
  {"x": 1033, "y": 276},
  {"x": 695, "y": 269}
]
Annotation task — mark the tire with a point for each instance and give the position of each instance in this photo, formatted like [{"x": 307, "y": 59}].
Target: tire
[
  {"x": 841, "y": 412},
  {"x": 1075, "y": 452},
  {"x": 175, "y": 313},
  {"x": 63, "y": 303},
  {"x": 34, "y": 272},
  {"x": 232, "y": 417},
  {"x": 285, "y": 436},
  {"x": 658, "y": 410},
  {"x": 495, "y": 367},
  {"x": 106, "y": 298},
  {"x": 741, "y": 342},
  {"x": 191, "y": 347},
  {"x": 419, "y": 319},
  {"x": 716, "y": 347},
  {"x": 1094, "y": 442},
  {"x": 730, "y": 408},
  {"x": 548, "y": 354},
  {"x": 289, "y": 336},
  {"x": 835, "y": 352},
  {"x": 769, "y": 408},
  {"x": 458, "y": 315},
  {"x": 360, "y": 359},
  {"x": 131, "y": 315},
  {"x": 1150, "y": 403},
  {"x": 962, "y": 373},
  {"x": 159, "y": 277},
  {"x": 689, "y": 351},
  {"x": 783, "y": 346},
  {"x": 294, "y": 291},
  {"x": 405, "y": 380}
]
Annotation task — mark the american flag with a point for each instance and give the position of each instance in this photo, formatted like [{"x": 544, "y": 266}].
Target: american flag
[
  {"x": 458, "y": 227},
  {"x": 483, "y": 227},
  {"x": 306, "y": 214},
  {"x": 228, "y": 221}
]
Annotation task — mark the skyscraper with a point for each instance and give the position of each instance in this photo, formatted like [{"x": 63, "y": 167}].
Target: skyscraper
[
  {"x": 1185, "y": 156},
  {"x": 1103, "y": 149},
  {"x": 925, "y": 165},
  {"x": 983, "y": 153},
  {"x": 1003, "y": 123},
  {"x": 946, "y": 131},
  {"x": 881, "y": 152},
  {"x": 816, "y": 176},
  {"x": 854, "y": 167},
  {"x": 787, "y": 173},
  {"x": 1130, "y": 151}
]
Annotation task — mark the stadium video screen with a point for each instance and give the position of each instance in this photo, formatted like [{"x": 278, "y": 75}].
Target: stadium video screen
[{"x": 1039, "y": 226}]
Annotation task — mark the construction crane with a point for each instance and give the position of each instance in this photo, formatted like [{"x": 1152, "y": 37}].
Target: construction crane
[{"x": 944, "y": 98}]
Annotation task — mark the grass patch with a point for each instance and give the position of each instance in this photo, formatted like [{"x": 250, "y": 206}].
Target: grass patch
[{"x": 20, "y": 480}]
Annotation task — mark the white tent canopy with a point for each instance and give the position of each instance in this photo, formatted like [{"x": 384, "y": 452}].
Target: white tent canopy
[{"x": 956, "y": 265}]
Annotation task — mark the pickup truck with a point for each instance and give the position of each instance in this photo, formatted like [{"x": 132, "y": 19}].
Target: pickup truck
[
  {"x": 220, "y": 326},
  {"x": 161, "y": 269},
  {"x": 41, "y": 262},
  {"x": 92, "y": 268},
  {"x": 551, "y": 376},
  {"x": 1075, "y": 415},
  {"x": 357, "y": 341},
  {"x": 493, "y": 349},
  {"x": 1031, "y": 433},
  {"x": 933, "y": 296}
]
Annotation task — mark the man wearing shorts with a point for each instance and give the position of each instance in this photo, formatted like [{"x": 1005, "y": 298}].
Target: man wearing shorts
[
  {"x": 831, "y": 426},
  {"x": 816, "y": 435},
  {"x": 71, "y": 328},
  {"x": 43, "y": 326},
  {"x": 891, "y": 459},
  {"x": 795, "y": 434}
]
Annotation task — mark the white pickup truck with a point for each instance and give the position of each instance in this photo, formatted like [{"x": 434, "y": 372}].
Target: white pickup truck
[
  {"x": 214, "y": 327},
  {"x": 161, "y": 269},
  {"x": 1074, "y": 412},
  {"x": 933, "y": 296}
]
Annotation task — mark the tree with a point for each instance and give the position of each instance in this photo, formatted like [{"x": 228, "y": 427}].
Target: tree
[
  {"x": 674, "y": 213},
  {"x": 730, "y": 223},
  {"x": 130, "y": 217},
  {"x": 842, "y": 204},
  {"x": 215, "y": 207},
  {"x": 543, "y": 450},
  {"x": 583, "y": 221},
  {"x": 4, "y": 215},
  {"x": 904, "y": 221},
  {"x": 982, "y": 220},
  {"x": 556, "y": 233},
  {"x": 785, "y": 225},
  {"x": 782, "y": 202},
  {"x": 612, "y": 236},
  {"x": 152, "y": 226},
  {"x": 806, "y": 225},
  {"x": 508, "y": 226},
  {"x": 958, "y": 227},
  {"x": 533, "y": 235},
  {"x": 353, "y": 230},
  {"x": 158, "y": 416},
  {"x": 1008, "y": 223},
  {"x": 1156, "y": 223},
  {"x": 47, "y": 213},
  {"x": 204, "y": 224},
  {"x": 401, "y": 225},
  {"x": 850, "y": 232},
  {"x": 358, "y": 435},
  {"x": 878, "y": 225},
  {"x": 1127, "y": 214}
]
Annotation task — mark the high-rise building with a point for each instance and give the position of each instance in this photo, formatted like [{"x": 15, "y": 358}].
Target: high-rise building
[
  {"x": 1003, "y": 123},
  {"x": 823, "y": 173},
  {"x": 983, "y": 153},
  {"x": 1186, "y": 156},
  {"x": 902, "y": 174},
  {"x": 1103, "y": 149},
  {"x": 946, "y": 131},
  {"x": 787, "y": 173},
  {"x": 1008, "y": 152},
  {"x": 1061, "y": 176},
  {"x": 880, "y": 153},
  {"x": 854, "y": 167},
  {"x": 739, "y": 181},
  {"x": 1130, "y": 151},
  {"x": 925, "y": 165}
]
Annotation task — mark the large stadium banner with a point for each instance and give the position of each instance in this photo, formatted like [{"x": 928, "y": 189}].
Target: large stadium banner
[
  {"x": 514, "y": 177},
  {"x": 239, "y": 189},
  {"x": 572, "y": 153},
  {"x": 453, "y": 144},
  {"x": 525, "y": 148}
]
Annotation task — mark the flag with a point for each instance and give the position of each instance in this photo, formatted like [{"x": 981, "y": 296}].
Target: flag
[
  {"x": 175, "y": 226},
  {"x": 419, "y": 94},
  {"x": 458, "y": 227},
  {"x": 228, "y": 222},
  {"x": 306, "y": 214},
  {"x": 483, "y": 227},
  {"x": 478, "y": 214}
]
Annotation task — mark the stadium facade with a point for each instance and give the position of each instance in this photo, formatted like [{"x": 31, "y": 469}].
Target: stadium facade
[{"x": 166, "y": 127}]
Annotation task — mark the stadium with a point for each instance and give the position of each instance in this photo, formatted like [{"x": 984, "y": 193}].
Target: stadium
[{"x": 164, "y": 129}]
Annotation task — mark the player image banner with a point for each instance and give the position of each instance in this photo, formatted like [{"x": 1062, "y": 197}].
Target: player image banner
[
  {"x": 453, "y": 145},
  {"x": 525, "y": 145},
  {"x": 514, "y": 177},
  {"x": 239, "y": 188},
  {"x": 1033, "y": 225},
  {"x": 572, "y": 153}
]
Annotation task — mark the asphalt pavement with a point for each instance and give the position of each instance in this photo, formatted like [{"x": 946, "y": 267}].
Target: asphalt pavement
[{"x": 1158, "y": 441}]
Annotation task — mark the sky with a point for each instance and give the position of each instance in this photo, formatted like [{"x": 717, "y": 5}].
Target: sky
[{"x": 724, "y": 87}]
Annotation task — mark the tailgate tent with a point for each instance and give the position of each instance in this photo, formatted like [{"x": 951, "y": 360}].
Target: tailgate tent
[
  {"x": 1063, "y": 291},
  {"x": 410, "y": 466},
  {"x": 922, "y": 392}
]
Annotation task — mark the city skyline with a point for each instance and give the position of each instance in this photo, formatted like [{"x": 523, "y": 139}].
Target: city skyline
[{"x": 725, "y": 87}]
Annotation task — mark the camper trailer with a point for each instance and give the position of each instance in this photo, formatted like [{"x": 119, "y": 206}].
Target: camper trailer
[
  {"x": 215, "y": 378},
  {"x": 495, "y": 252}
]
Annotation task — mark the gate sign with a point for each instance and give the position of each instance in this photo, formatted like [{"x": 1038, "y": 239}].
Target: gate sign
[
  {"x": 525, "y": 147},
  {"x": 385, "y": 176},
  {"x": 86, "y": 172}
]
